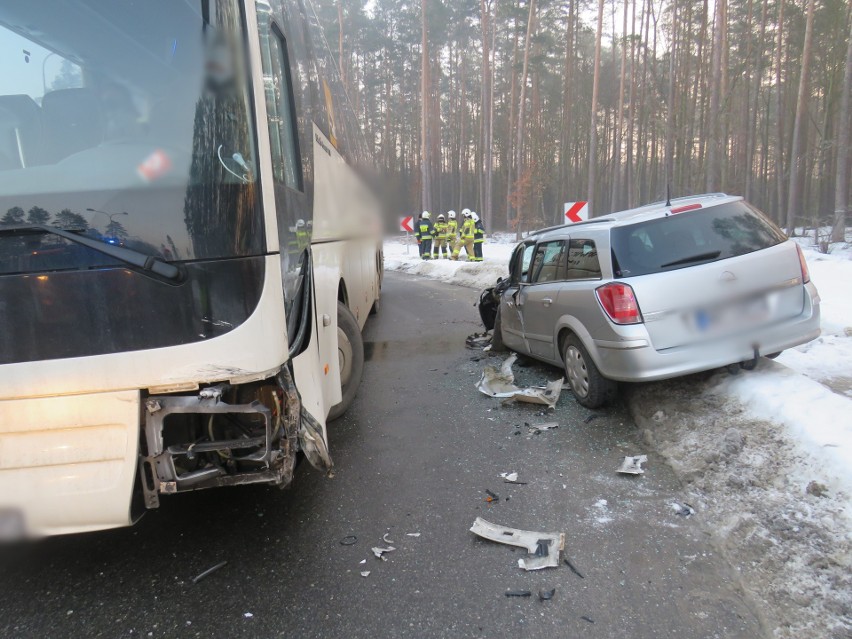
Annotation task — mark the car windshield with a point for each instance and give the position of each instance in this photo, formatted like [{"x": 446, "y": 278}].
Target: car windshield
[
  {"x": 690, "y": 238},
  {"x": 128, "y": 121}
]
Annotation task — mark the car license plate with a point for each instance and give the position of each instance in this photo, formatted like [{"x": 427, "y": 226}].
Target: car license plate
[{"x": 748, "y": 312}]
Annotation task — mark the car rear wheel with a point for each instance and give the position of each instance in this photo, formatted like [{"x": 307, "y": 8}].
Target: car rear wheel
[
  {"x": 591, "y": 389},
  {"x": 350, "y": 352}
]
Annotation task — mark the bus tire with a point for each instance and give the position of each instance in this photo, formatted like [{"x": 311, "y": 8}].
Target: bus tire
[{"x": 350, "y": 350}]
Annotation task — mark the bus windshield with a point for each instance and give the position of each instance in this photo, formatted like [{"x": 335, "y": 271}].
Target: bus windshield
[{"x": 128, "y": 122}]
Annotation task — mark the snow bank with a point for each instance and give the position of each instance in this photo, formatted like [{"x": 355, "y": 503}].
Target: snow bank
[
  {"x": 819, "y": 420},
  {"x": 404, "y": 257}
]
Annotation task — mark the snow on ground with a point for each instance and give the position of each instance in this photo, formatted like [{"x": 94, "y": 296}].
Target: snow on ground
[
  {"x": 766, "y": 454},
  {"x": 400, "y": 256}
]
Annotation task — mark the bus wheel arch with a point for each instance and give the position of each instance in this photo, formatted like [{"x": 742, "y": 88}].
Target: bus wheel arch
[{"x": 350, "y": 350}]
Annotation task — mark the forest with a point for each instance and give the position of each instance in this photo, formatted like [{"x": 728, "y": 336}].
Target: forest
[{"x": 513, "y": 107}]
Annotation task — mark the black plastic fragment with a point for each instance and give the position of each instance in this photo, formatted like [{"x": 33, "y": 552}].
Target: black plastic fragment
[
  {"x": 573, "y": 568},
  {"x": 518, "y": 593},
  {"x": 546, "y": 595},
  {"x": 590, "y": 418},
  {"x": 492, "y": 496},
  {"x": 349, "y": 540},
  {"x": 543, "y": 548},
  {"x": 589, "y": 619}
]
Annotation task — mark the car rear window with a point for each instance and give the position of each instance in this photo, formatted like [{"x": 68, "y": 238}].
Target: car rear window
[{"x": 686, "y": 239}]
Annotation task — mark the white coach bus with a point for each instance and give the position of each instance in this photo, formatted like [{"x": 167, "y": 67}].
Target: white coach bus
[{"x": 189, "y": 249}]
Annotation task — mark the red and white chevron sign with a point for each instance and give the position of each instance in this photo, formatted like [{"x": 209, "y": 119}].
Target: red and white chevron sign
[
  {"x": 406, "y": 223},
  {"x": 576, "y": 212}
]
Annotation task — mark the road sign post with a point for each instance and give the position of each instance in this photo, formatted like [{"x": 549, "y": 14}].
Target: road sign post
[
  {"x": 575, "y": 212},
  {"x": 406, "y": 224}
]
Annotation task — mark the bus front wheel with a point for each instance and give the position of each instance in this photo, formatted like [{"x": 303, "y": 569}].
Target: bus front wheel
[{"x": 350, "y": 352}]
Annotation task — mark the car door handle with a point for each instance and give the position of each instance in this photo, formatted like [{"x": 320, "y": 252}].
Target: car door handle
[{"x": 547, "y": 301}]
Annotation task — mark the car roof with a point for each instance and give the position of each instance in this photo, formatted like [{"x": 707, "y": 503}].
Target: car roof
[{"x": 639, "y": 214}]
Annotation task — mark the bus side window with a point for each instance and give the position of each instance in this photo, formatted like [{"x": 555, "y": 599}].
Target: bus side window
[{"x": 280, "y": 109}]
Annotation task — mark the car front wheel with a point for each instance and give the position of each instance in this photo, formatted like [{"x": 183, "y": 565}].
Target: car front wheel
[{"x": 591, "y": 389}]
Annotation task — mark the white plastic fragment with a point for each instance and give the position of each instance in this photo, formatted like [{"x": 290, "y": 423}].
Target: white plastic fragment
[
  {"x": 380, "y": 552},
  {"x": 365, "y": 573},
  {"x": 386, "y": 540},
  {"x": 540, "y": 428},
  {"x": 633, "y": 465},
  {"x": 248, "y": 615},
  {"x": 363, "y": 561},
  {"x": 500, "y": 383},
  {"x": 510, "y": 478},
  {"x": 544, "y": 549},
  {"x": 412, "y": 534}
]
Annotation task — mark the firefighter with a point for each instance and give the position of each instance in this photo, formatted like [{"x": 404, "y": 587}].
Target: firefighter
[
  {"x": 424, "y": 232},
  {"x": 478, "y": 237},
  {"x": 441, "y": 248},
  {"x": 466, "y": 237}
]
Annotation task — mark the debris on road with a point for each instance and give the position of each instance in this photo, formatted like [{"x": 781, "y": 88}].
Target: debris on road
[
  {"x": 684, "y": 511},
  {"x": 363, "y": 561},
  {"x": 589, "y": 619},
  {"x": 546, "y": 595},
  {"x": 478, "y": 340},
  {"x": 633, "y": 465},
  {"x": 349, "y": 540},
  {"x": 544, "y": 549},
  {"x": 518, "y": 593},
  {"x": 365, "y": 573},
  {"x": 248, "y": 615},
  {"x": 209, "y": 572},
  {"x": 386, "y": 540},
  {"x": 590, "y": 418},
  {"x": 573, "y": 568},
  {"x": 491, "y": 496},
  {"x": 380, "y": 552},
  {"x": 412, "y": 534},
  {"x": 512, "y": 478},
  {"x": 500, "y": 384},
  {"x": 535, "y": 429}
]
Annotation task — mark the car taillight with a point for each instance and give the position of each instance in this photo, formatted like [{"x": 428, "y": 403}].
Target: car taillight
[
  {"x": 619, "y": 302},
  {"x": 806, "y": 274}
]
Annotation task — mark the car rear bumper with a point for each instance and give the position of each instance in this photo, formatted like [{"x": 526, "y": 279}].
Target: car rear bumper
[
  {"x": 67, "y": 464},
  {"x": 635, "y": 360}
]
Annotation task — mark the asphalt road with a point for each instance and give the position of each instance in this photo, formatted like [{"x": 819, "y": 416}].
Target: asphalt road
[{"x": 415, "y": 454}]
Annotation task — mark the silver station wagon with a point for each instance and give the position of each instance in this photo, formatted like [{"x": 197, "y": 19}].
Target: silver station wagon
[{"x": 656, "y": 292}]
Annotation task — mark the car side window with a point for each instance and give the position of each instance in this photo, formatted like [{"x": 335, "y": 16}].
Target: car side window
[
  {"x": 523, "y": 259},
  {"x": 550, "y": 262},
  {"x": 583, "y": 262}
]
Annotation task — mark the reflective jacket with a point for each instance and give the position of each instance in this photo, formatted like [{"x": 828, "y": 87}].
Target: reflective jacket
[
  {"x": 479, "y": 232},
  {"x": 441, "y": 230},
  {"x": 424, "y": 229},
  {"x": 468, "y": 229},
  {"x": 452, "y": 229}
]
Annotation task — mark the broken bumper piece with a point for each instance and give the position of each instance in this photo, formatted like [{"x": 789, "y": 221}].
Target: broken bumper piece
[
  {"x": 544, "y": 549},
  {"x": 500, "y": 383}
]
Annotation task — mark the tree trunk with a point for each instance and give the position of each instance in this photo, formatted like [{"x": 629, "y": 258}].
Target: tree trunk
[
  {"x": 487, "y": 110},
  {"x": 519, "y": 141},
  {"x": 593, "y": 133},
  {"x": 841, "y": 185},
  {"x": 780, "y": 214},
  {"x": 799, "y": 124},
  {"x": 714, "y": 143},
  {"x": 425, "y": 100},
  {"x": 670, "y": 105},
  {"x": 619, "y": 127}
]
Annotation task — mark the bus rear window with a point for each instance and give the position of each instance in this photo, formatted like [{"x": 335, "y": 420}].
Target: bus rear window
[{"x": 690, "y": 238}]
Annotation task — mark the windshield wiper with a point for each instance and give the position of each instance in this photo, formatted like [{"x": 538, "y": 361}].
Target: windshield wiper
[
  {"x": 121, "y": 253},
  {"x": 709, "y": 255}
]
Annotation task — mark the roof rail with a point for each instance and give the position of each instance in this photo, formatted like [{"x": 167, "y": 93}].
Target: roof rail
[
  {"x": 687, "y": 197},
  {"x": 562, "y": 226}
]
